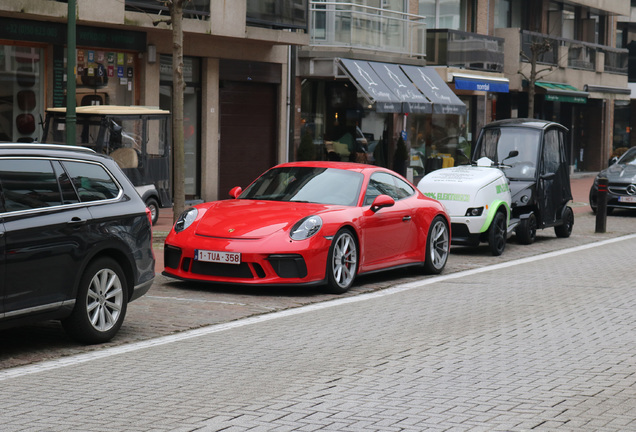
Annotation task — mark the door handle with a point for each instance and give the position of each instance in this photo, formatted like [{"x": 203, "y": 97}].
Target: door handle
[
  {"x": 75, "y": 220},
  {"x": 406, "y": 218}
]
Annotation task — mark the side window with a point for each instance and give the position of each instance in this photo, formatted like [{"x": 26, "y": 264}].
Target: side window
[
  {"x": 28, "y": 184},
  {"x": 551, "y": 152},
  {"x": 69, "y": 196},
  {"x": 92, "y": 181},
  {"x": 387, "y": 184},
  {"x": 402, "y": 188}
]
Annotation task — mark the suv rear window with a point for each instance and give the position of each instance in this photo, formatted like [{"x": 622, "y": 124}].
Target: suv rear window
[{"x": 38, "y": 183}]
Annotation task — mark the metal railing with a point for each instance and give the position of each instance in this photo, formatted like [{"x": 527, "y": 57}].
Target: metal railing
[
  {"x": 580, "y": 55},
  {"x": 337, "y": 24},
  {"x": 466, "y": 50}
]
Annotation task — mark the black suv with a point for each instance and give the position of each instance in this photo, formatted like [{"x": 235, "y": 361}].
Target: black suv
[{"x": 75, "y": 240}]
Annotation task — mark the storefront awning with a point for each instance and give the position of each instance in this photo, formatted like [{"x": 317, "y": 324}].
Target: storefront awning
[
  {"x": 561, "y": 92},
  {"x": 413, "y": 101},
  {"x": 431, "y": 84},
  {"x": 371, "y": 85},
  {"x": 480, "y": 83}
]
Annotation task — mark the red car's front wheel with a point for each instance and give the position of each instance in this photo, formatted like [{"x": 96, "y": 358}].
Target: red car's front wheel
[{"x": 342, "y": 264}]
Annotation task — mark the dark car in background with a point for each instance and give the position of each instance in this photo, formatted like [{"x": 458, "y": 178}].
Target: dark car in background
[
  {"x": 75, "y": 240},
  {"x": 621, "y": 183}
]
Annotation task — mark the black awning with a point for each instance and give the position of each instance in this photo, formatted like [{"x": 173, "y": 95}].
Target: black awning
[
  {"x": 413, "y": 101},
  {"x": 431, "y": 84},
  {"x": 371, "y": 85}
]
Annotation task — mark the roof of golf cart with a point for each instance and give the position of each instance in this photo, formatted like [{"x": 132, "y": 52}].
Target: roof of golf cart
[
  {"x": 112, "y": 110},
  {"x": 525, "y": 122}
]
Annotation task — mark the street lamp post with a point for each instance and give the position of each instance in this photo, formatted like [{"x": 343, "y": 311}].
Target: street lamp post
[{"x": 70, "y": 73}]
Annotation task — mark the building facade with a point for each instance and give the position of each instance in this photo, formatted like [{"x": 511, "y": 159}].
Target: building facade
[{"x": 236, "y": 67}]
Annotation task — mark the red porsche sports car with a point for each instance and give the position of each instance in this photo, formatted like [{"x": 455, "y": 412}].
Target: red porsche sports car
[{"x": 305, "y": 223}]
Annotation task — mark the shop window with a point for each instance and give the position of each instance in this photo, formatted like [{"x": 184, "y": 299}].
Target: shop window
[
  {"x": 105, "y": 77},
  {"x": 21, "y": 92}
]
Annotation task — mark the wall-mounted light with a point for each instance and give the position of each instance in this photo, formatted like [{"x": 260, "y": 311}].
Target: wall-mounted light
[{"x": 152, "y": 54}]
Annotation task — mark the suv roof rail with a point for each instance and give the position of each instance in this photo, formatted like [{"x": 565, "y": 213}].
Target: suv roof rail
[{"x": 32, "y": 146}]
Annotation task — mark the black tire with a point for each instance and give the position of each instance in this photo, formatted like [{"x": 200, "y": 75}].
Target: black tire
[
  {"x": 102, "y": 301},
  {"x": 564, "y": 231},
  {"x": 527, "y": 230},
  {"x": 437, "y": 246},
  {"x": 497, "y": 234},
  {"x": 342, "y": 262},
  {"x": 153, "y": 206}
]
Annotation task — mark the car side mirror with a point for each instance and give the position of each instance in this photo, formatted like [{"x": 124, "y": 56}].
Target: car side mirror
[
  {"x": 236, "y": 191},
  {"x": 382, "y": 201},
  {"x": 612, "y": 161}
]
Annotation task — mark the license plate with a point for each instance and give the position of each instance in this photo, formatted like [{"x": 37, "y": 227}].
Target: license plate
[
  {"x": 217, "y": 256},
  {"x": 627, "y": 199}
]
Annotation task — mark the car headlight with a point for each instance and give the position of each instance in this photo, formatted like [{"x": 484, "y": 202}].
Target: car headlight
[
  {"x": 305, "y": 228},
  {"x": 474, "y": 211},
  {"x": 186, "y": 219}
]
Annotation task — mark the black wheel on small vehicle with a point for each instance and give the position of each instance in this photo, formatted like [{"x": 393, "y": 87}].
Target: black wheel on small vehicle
[
  {"x": 564, "y": 231},
  {"x": 497, "y": 234},
  {"x": 527, "y": 230},
  {"x": 153, "y": 206},
  {"x": 437, "y": 246},
  {"x": 101, "y": 304},
  {"x": 342, "y": 262}
]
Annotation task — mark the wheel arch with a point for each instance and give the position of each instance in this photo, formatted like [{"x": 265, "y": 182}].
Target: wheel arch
[{"x": 119, "y": 256}]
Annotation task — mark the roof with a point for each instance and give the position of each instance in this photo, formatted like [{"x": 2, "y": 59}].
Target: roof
[
  {"x": 113, "y": 110},
  {"x": 44, "y": 147},
  {"x": 525, "y": 122}
]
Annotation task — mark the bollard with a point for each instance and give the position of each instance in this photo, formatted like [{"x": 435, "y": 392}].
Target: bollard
[{"x": 601, "y": 205}]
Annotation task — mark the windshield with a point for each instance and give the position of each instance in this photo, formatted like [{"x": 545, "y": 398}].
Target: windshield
[
  {"x": 629, "y": 158},
  {"x": 496, "y": 144},
  {"x": 307, "y": 184}
]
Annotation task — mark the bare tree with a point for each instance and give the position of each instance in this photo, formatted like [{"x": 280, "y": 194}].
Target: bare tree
[
  {"x": 538, "y": 47},
  {"x": 178, "y": 83}
]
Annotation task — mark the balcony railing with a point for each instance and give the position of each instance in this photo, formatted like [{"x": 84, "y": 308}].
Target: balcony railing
[
  {"x": 580, "y": 55},
  {"x": 197, "y": 9},
  {"x": 351, "y": 25},
  {"x": 466, "y": 50}
]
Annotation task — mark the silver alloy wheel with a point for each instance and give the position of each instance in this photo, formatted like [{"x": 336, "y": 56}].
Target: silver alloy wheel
[
  {"x": 438, "y": 246},
  {"x": 104, "y": 300},
  {"x": 345, "y": 260}
]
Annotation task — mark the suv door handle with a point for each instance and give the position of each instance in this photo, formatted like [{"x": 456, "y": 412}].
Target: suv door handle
[
  {"x": 76, "y": 220},
  {"x": 406, "y": 218}
]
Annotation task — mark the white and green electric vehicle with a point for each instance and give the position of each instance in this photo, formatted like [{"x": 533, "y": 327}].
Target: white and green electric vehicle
[{"x": 477, "y": 198}]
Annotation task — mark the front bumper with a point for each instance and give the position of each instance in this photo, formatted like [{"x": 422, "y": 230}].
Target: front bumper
[{"x": 291, "y": 263}]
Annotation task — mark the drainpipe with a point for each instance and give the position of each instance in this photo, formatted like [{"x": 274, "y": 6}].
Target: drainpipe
[{"x": 70, "y": 74}]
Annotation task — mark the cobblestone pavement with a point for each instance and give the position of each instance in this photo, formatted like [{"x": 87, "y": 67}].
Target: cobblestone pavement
[{"x": 538, "y": 343}]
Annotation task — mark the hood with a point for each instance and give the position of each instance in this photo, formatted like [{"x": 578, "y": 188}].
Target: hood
[
  {"x": 619, "y": 173},
  {"x": 251, "y": 219}
]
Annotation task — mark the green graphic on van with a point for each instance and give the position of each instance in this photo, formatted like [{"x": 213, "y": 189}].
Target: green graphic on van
[{"x": 444, "y": 196}]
